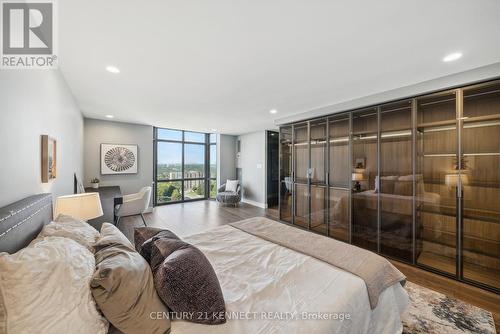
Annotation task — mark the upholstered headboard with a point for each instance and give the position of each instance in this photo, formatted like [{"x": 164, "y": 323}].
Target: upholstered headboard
[{"x": 20, "y": 222}]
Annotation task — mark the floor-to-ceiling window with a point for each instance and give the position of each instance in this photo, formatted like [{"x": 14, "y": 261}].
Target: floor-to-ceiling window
[
  {"x": 185, "y": 165},
  {"x": 213, "y": 166}
]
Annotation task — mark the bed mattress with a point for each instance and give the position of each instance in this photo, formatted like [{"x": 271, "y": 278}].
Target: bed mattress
[{"x": 272, "y": 289}]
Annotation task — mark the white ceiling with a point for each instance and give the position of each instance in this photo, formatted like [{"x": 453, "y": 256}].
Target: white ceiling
[{"x": 200, "y": 65}]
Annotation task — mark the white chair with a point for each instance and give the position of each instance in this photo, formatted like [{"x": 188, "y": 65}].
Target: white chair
[{"x": 134, "y": 205}]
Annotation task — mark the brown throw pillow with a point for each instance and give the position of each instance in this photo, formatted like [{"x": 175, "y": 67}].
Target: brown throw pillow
[
  {"x": 403, "y": 188},
  {"x": 123, "y": 287},
  {"x": 144, "y": 238},
  {"x": 387, "y": 186},
  {"x": 141, "y": 234},
  {"x": 186, "y": 281}
]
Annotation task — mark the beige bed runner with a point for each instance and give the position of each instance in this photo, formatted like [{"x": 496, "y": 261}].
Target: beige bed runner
[{"x": 376, "y": 271}]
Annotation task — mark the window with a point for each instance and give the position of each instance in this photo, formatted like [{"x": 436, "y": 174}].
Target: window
[
  {"x": 167, "y": 134},
  {"x": 185, "y": 166},
  {"x": 212, "y": 168},
  {"x": 194, "y": 137},
  {"x": 194, "y": 161},
  {"x": 169, "y": 164}
]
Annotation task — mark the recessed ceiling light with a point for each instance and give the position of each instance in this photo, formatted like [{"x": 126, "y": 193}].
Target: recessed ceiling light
[
  {"x": 110, "y": 116},
  {"x": 452, "y": 57},
  {"x": 213, "y": 130},
  {"x": 273, "y": 111},
  {"x": 113, "y": 69}
]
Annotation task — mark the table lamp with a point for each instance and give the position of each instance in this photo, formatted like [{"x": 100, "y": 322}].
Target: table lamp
[
  {"x": 84, "y": 206},
  {"x": 357, "y": 177},
  {"x": 451, "y": 180}
]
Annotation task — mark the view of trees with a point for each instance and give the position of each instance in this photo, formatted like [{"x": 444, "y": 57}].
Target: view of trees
[
  {"x": 168, "y": 191},
  {"x": 172, "y": 191},
  {"x": 213, "y": 188}
]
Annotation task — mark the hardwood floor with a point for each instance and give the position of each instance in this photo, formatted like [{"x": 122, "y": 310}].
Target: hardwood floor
[
  {"x": 193, "y": 217},
  {"x": 189, "y": 218}
]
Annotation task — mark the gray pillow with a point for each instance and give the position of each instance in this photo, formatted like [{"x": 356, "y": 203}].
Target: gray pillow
[
  {"x": 123, "y": 287},
  {"x": 186, "y": 281}
]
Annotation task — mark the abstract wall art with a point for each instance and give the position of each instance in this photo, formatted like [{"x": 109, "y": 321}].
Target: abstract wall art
[
  {"x": 49, "y": 158},
  {"x": 118, "y": 159}
]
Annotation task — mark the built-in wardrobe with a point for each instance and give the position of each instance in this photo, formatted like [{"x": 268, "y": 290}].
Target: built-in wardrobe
[{"x": 416, "y": 180}]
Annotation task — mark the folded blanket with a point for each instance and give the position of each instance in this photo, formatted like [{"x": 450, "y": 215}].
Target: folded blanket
[{"x": 377, "y": 272}]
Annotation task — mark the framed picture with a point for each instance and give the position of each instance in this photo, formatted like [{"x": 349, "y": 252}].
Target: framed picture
[
  {"x": 49, "y": 158},
  {"x": 118, "y": 159},
  {"x": 360, "y": 163}
]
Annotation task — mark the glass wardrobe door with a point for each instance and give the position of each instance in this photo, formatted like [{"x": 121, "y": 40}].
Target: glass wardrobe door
[
  {"x": 364, "y": 173},
  {"x": 286, "y": 184},
  {"x": 318, "y": 176},
  {"x": 436, "y": 202},
  {"x": 339, "y": 178},
  {"x": 480, "y": 177},
  {"x": 396, "y": 181},
  {"x": 301, "y": 174}
]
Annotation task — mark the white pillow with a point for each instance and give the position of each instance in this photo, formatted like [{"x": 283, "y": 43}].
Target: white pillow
[
  {"x": 45, "y": 288},
  {"x": 69, "y": 227},
  {"x": 232, "y": 185}
]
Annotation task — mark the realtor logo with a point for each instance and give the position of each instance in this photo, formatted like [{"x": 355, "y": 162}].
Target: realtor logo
[{"x": 28, "y": 34}]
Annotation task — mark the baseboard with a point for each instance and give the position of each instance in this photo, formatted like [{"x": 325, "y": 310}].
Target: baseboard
[
  {"x": 254, "y": 203},
  {"x": 149, "y": 210}
]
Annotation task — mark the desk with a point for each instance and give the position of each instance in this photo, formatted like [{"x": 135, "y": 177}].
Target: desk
[{"x": 110, "y": 196}]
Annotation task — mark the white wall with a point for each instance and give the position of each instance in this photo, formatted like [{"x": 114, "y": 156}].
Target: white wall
[
  {"x": 253, "y": 168},
  {"x": 99, "y": 132},
  {"x": 226, "y": 158},
  {"x": 33, "y": 103}
]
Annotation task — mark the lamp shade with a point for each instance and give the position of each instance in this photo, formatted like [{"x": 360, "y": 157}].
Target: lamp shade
[
  {"x": 82, "y": 206},
  {"x": 451, "y": 180},
  {"x": 357, "y": 177}
]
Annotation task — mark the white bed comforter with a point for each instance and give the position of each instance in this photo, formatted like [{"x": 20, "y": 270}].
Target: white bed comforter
[{"x": 261, "y": 280}]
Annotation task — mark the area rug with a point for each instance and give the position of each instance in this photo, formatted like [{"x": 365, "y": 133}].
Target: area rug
[{"x": 433, "y": 312}]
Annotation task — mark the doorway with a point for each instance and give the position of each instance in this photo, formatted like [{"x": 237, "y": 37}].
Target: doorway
[{"x": 272, "y": 171}]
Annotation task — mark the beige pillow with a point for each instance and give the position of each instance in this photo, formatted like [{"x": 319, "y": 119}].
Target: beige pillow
[
  {"x": 111, "y": 235},
  {"x": 123, "y": 286}
]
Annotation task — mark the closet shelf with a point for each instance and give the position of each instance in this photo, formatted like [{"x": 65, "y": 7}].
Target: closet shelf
[
  {"x": 436, "y": 124},
  {"x": 482, "y": 118}
]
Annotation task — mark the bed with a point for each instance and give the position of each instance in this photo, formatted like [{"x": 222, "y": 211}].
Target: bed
[
  {"x": 396, "y": 211},
  {"x": 268, "y": 288}
]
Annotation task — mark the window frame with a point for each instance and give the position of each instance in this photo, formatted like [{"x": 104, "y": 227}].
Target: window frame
[
  {"x": 206, "y": 178},
  {"x": 209, "y": 175}
]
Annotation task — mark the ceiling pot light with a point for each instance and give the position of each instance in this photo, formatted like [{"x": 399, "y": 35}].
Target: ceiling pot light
[
  {"x": 213, "y": 130},
  {"x": 273, "y": 111},
  {"x": 112, "y": 69},
  {"x": 452, "y": 57},
  {"x": 110, "y": 116}
]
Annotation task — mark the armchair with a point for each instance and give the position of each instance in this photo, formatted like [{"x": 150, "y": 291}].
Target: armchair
[
  {"x": 228, "y": 197},
  {"x": 134, "y": 204}
]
